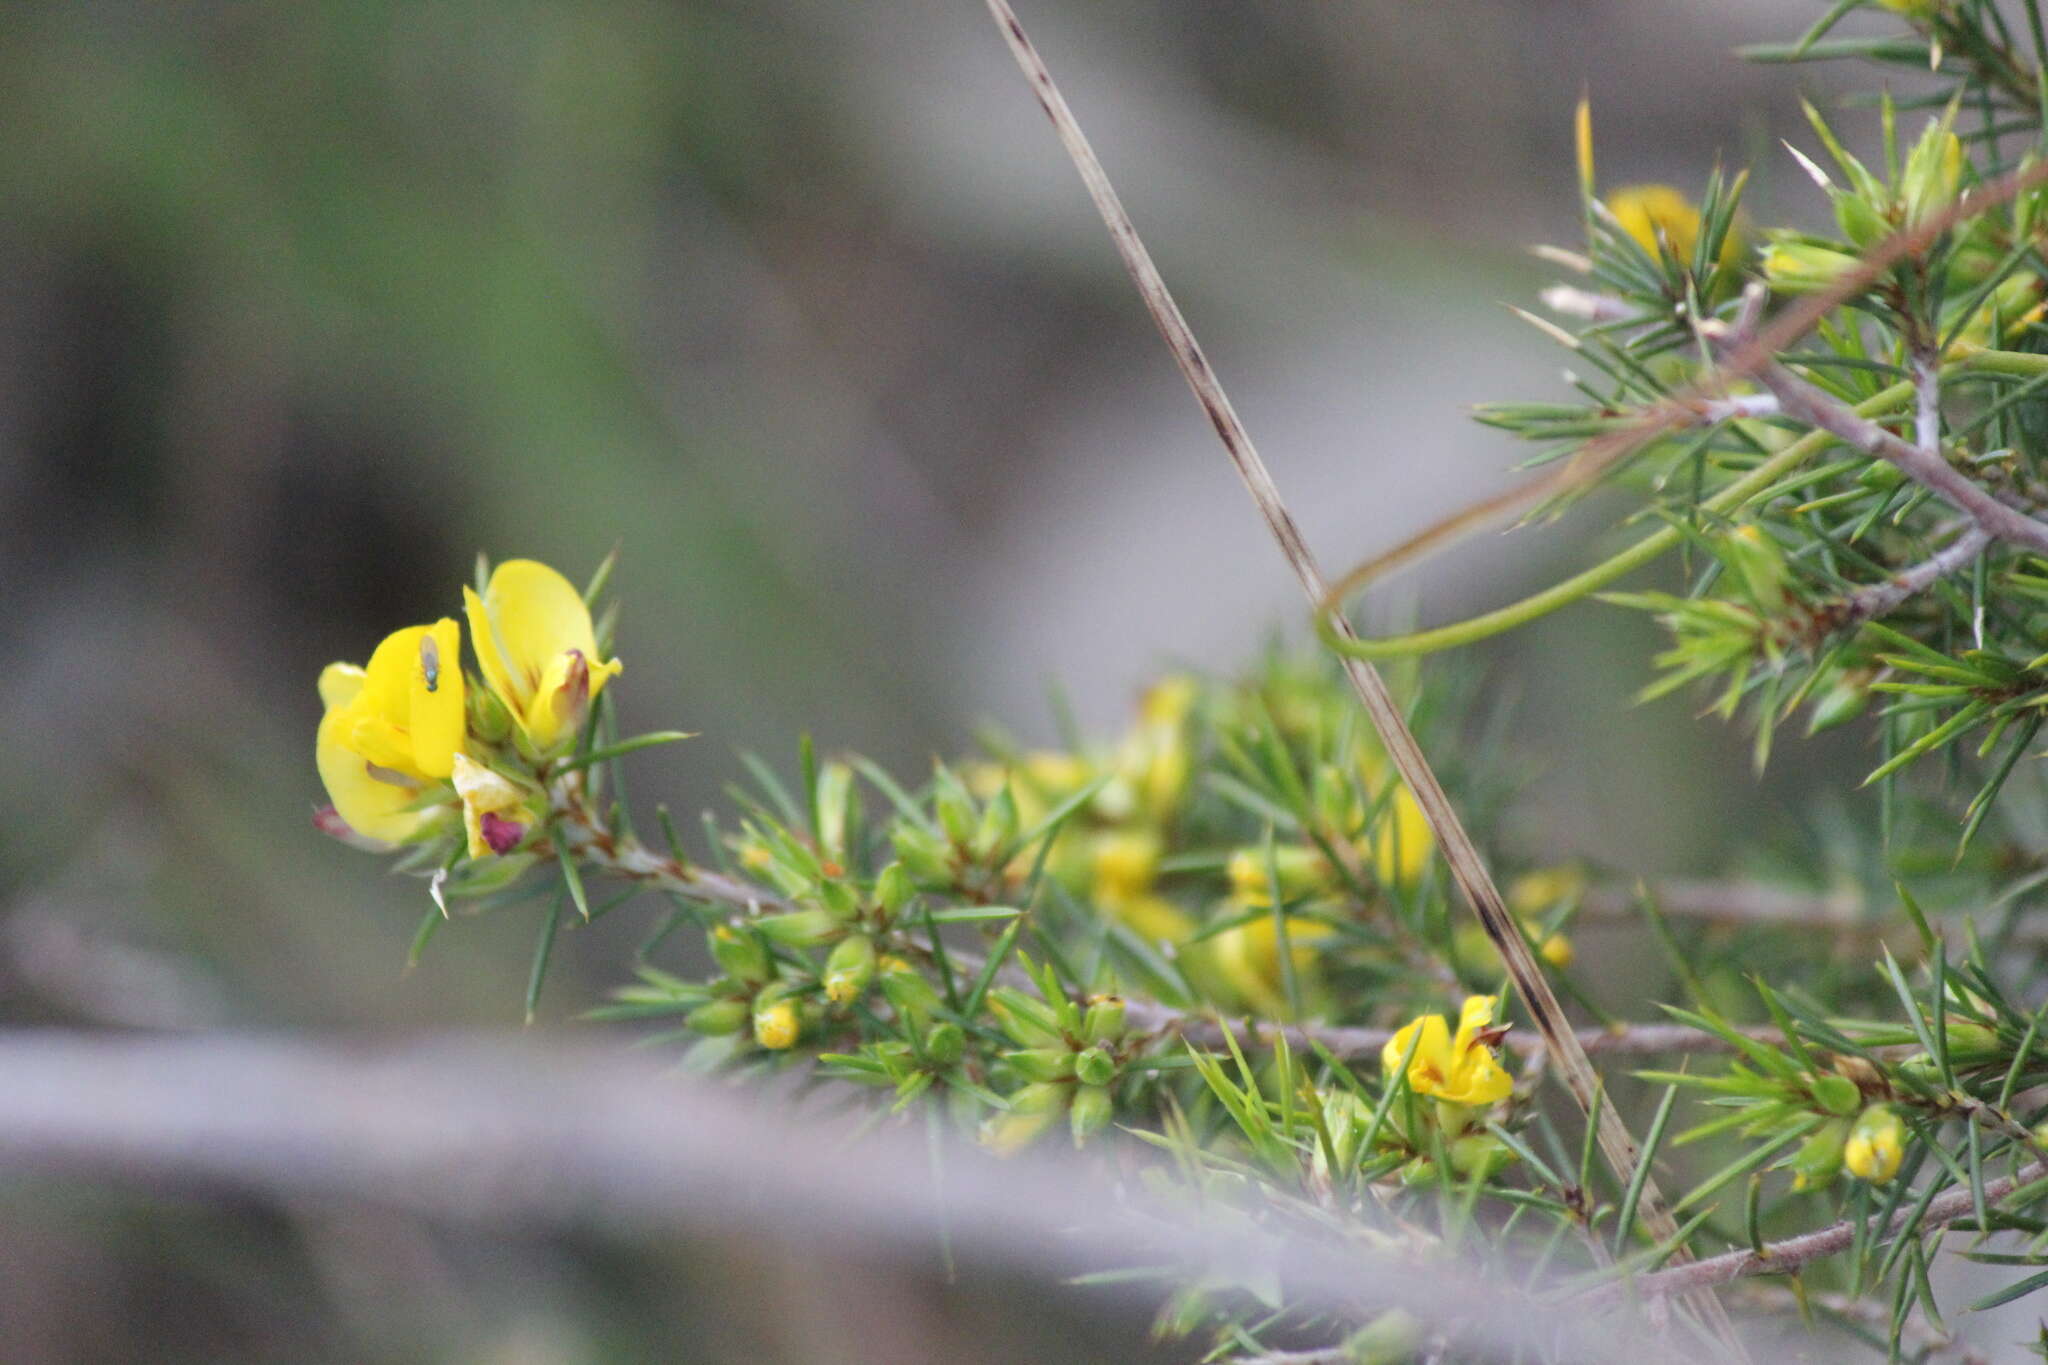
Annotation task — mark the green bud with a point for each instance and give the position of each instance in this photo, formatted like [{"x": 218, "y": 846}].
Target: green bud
[
  {"x": 1418, "y": 1171},
  {"x": 1480, "y": 1154},
  {"x": 1041, "y": 1097},
  {"x": 1758, "y": 562},
  {"x": 1389, "y": 1339},
  {"x": 945, "y": 1043},
  {"x": 797, "y": 928},
  {"x": 718, "y": 1018},
  {"x": 1881, "y": 474},
  {"x": 1970, "y": 1042},
  {"x": 1793, "y": 266},
  {"x": 1837, "y": 1095},
  {"x": 1042, "y": 1063},
  {"x": 1094, "y": 1067},
  {"x": 998, "y": 825},
  {"x": 849, "y": 969},
  {"x": 1819, "y": 1159},
  {"x": 488, "y": 718},
  {"x": 1843, "y": 701},
  {"x": 954, "y": 807},
  {"x": 742, "y": 955},
  {"x": 1862, "y": 223},
  {"x": 906, "y": 989},
  {"x": 1091, "y": 1112},
  {"x": 922, "y": 853},
  {"x": 840, "y": 900},
  {"x": 1029, "y": 1021},
  {"x": 1104, "y": 1021},
  {"x": 1933, "y": 173},
  {"x": 893, "y": 889},
  {"x": 1007, "y": 1134}
]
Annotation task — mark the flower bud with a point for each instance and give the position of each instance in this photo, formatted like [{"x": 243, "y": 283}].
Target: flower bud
[
  {"x": 1933, "y": 173},
  {"x": 1837, "y": 1095},
  {"x": 1845, "y": 699},
  {"x": 1104, "y": 1021},
  {"x": 797, "y": 928},
  {"x": 777, "y": 1023},
  {"x": 1008, "y": 1134},
  {"x": 906, "y": 989},
  {"x": 1094, "y": 1066},
  {"x": 1041, "y": 1097},
  {"x": 945, "y": 1043},
  {"x": 998, "y": 825},
  {"x": 1092, "y": 1108},
  {"x": 954, "y": 807},
  {"x": 1819, "y": 1159},
  {"x": 849, "y": 969},
  {"x": 922, "y": 853},
  {"x": 1970, "y": 1042},
  {"x": 1758, "y": 562},
  {"x": 742, "y": 956},
  {"x": 489, "y": 721},
  {"x": 718, "y": 1018},
  {"x": 1793, "y": 266},
  {"x": 840, "y": 900},
  {"x": 1876, "y": 1145},
  {"x": 1029, "y": 1021},
  {"x": 1480, "y": 1156},
  {"x": 893, "y": 889}
]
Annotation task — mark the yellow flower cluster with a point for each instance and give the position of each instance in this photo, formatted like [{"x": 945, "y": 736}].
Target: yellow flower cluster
[{"x": 408, "y": 734}]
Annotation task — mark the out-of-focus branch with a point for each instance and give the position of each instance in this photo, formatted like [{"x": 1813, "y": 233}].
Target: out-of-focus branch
[
  {"x": 507, "y": 1134},
  {"x": 1779, "y": 1258},
  {"x": 1758, "y": 905}
]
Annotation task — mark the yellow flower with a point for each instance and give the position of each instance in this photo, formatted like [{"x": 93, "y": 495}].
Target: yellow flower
[
  {"x": 1650, "y": 212},
  {"x": 1876, "y": 1145},
  {"x": 486, "y": 796},
  {"x": 391, "y": 728},
  {"x": 1459, "y": 1069},
  {"x": 537, "y": 649},
  {"x": 1401, "y": 841}
]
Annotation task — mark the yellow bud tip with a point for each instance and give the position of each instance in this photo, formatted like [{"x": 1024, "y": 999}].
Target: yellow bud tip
[
  {"x": 1557, "y": 950},
  {"x": 841, "y": 988},
  {"x": 1582, "y": 143},
  {"x": 776, "y": 1027}
]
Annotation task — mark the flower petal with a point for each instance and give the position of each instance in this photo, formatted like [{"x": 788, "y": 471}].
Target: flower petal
[
  {"x": 539, "y": 615},
  {"x": 434, "y": 697},
  {"x": 340, "y": 684},
  {"x": 372, "y": 808}
]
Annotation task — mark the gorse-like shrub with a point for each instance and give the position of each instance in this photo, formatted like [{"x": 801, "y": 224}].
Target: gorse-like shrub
[{"x": 1234, "y": 943}]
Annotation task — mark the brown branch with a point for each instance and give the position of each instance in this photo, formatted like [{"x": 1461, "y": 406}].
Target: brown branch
[
  {"x": 1460, "y": 854},
  {"x": 1778, "y": 1258}
]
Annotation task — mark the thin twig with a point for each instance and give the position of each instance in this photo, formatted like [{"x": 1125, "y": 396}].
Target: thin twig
[
  {"x": 1801, "y": 400},
  {"x": 1778, "y": 1258},
  {"x": 1460, "y": 854},
  {"x": 1882, "y": 599}
]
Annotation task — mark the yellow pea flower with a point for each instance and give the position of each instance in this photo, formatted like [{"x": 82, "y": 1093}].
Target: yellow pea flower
[
  {"x": 486, "y": 796},
  {"x": 391, "y": 728},
  {"x": 1460, "y": 1069},
  {"x": 1649, "y": 212},
  {"x": 537, "y": 648},
  {"x": 1876, "y": 1145}
]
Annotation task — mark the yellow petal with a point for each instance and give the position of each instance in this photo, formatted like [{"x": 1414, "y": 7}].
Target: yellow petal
[
  {"x": 435, "y": 694},
  {"x": 490, "y": 653},
  {"x": 1474, "y": 1015},
  {"x": 370, "y": 807},
  {"x": 1430, "y": 1066},
  {"x": 539, "y": 615},
  {"x": 529, "y": 626},
  {"x": 340, "y": 684},
  {"x": 1401, "y": 843},
  {"x": 1478, "y": 1081},
  {"x": 409, "y": 709}
]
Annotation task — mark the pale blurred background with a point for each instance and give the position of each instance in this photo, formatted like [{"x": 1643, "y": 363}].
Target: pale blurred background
[{"x": 798, "y": 304}]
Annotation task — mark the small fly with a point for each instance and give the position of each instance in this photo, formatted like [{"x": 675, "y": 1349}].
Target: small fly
[{"x": 430, "y": 662}]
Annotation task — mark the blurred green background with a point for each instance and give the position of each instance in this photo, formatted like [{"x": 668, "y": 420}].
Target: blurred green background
[{"x": 796, "y": 303}]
